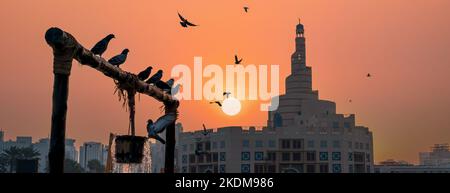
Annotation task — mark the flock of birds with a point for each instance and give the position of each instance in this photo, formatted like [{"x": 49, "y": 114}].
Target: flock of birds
[{"x": 154, "y": 128}]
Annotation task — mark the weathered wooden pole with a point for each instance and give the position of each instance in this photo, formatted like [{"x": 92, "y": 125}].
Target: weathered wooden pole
[
  {"x": 65, "y": 49},
  {"x": 169, "y": 157}
]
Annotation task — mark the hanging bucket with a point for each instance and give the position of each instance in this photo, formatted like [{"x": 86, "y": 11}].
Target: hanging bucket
[{"x": 129, "y": 149}]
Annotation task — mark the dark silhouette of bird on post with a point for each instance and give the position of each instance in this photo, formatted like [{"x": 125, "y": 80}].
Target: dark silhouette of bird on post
[
  {"x": 154, "y": 128},
  {"x": 216, "y": 102},
  {"x": 119, "y": 59},
  {"x": 145, "y": 74},
  {"x": 184, "y": 22},
  {"x": 236, "y": 60},
  {"x": 205, "y": 132},
  {"x": 246, "y": 9},
  {"x": 101, "y": 46},
  {"x": 155, "y": 78}
]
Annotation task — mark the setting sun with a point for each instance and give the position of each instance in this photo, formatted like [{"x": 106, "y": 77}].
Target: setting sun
[{"x": 231, "y": 106}]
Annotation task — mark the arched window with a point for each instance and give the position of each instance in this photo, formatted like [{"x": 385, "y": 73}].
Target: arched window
[{"x": 277, "y": 120}]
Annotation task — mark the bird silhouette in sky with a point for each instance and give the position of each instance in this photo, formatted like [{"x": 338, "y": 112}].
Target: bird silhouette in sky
[
  {"x": 101, "y": 46},
  {"x": 184, "y": 22},
  {"x": 236, "y": 60},
  {"x": 119, "y": 59},
  {"x": 155, "y": 78},
  {"x": 216, "y": 102},
  {"x": 227, "y": 94},
  {"x": 369, "y": 75},
  {"x": 350, "y": 100},
  {"x": 246, "y": 9},
  {"x": 145, "y": 74},
  {"x": 205, "y": 132},
  {"x": 154, "y": 128}
]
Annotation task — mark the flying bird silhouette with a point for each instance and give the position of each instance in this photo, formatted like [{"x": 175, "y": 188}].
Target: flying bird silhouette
[
  {"x": 184, "y": 22},
  {"x": 216, "y": 102},
  {"x": 236, "y": 60},
  {"x": 101, "y": 46},
  {"x": 205, "y": 132},
  {"x": 227, "y": 94},
  {"x": 369, "y": 75},
  {"x": 155, "y": 78},
  {"x": 145, "y": 74},
  {"x": 246, "y": 9},
  {"x": 119, "y": 59},
  {"x": 154, "y": 128}
]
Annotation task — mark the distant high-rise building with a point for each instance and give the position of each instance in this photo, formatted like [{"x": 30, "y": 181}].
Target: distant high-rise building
[
  {"x": 42, "y": 146},
  {"x": 2, "y": 136},
  {"x": 71, "y": 150},
  {"x": 439, "y": 156},
  {"x": 92, "y": 151}
]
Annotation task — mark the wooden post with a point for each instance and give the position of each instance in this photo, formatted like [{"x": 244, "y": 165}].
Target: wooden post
[
  {"x": 131, "y": 107},
  {"x": 65, "y": 49}
]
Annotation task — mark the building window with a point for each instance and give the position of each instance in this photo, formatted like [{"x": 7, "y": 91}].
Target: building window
[
  {"x": 311, "y": 156},
  {"x": 358, "y": 157},
  {"x": 368, "y": 157},
  {"x": 191, "y": 147},
  {"x": 336, "y": 144},
  {"x": 271, "y": 156},
  {"x": 296, "y": 156},
  {"x": 208, "y": 146},
  {"x": 285, "y": 144},
  {"x": 323, "y": 144},
  {"x": 208, "y": 158},
  {"x": 259, "y": 168},
  {"x": 336, "y": 156},
  {"x": 350, "y": 156},
  {"x": 272, "y": 143},
  {"x": 192, "y": 158},
  {"x": 199, "y": 146},
  {"x": 277, "y": 120},
  {"x": 297, "y": 144},
  {"x": 286, "y": 156},
  {"x": 246, "y": 143},
  {"x": 368, "y": 169},
  {"x": 184, "y": 159},
  {"x": 271, "y": 169},
  {"x": 335, "y": 125},
  {"x": 323, "y": 156},
  {"x": 222, "y": 168},
  {"x": 215, "y": 157},
  {"x": 193, "y": 169},
  {"x": 184, "y": 147},
  {"x": 222, "y": 144},
  {"x": 184, "y": 169},
  {"x": 259, "y": 156},
  {"x": 337, "y": 168},
  {"x": 346, "y": 125},
  {"x": 310, "y": 168},
  {"x": 367, "y": 146},
  {"x": 311, "y": 144},
  {"x": 245, "y": 156},
  {"x": 222, "y": 156},
  {"x": 323, "y": 168},
  {"x": 214, "y": 145},
  {"x": 258, "y": 143},
  {"x": 245, "y": 168},
  {"x": 200, "y": 159},
  {"x": 350, "y": 168}
]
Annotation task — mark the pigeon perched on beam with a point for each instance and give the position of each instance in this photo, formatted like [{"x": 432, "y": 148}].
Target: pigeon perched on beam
[
  {"x": 119, "y": 59},
  {"x": 175, "y": 89},
  {"x": 155, "y": 78},
  {"x": 102, "y": 45},
  {"x": 145, "y": 74},
  {"x": 154, "y": 128},
  {"x": 236, "y": 60},
  {"x": 184, "y": 22}
]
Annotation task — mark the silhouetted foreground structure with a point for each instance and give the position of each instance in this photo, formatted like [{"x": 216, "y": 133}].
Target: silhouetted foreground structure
[{"x": 65, "y": 49}]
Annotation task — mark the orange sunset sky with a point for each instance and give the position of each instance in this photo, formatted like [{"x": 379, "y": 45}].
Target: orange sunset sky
[{"x": 405, "y": 44}]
